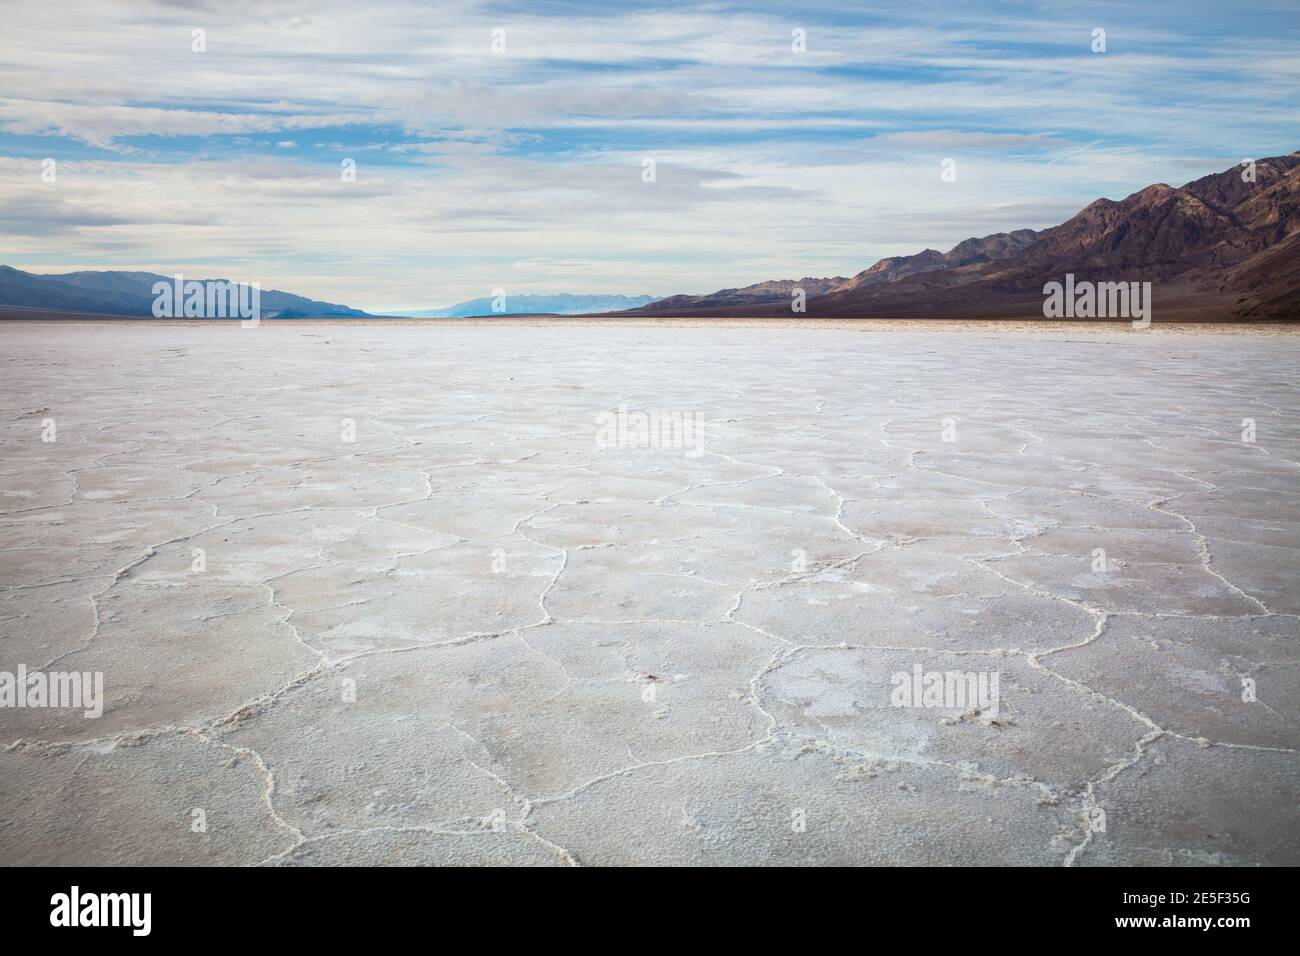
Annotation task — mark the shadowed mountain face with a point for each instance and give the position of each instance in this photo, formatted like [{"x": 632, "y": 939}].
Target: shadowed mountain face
[
  {"x": 775, "y": 290},
  {"x": 969, "y": 252},
  {"x": 130, "y": 293},
  {"x": 1225, "y": 246}
]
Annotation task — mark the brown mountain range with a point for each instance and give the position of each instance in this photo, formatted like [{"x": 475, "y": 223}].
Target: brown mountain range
[
  {"x": 969, "y": 252},
  {"x": 760, "y": 293},
  {"x": 1223, "y": 247}
]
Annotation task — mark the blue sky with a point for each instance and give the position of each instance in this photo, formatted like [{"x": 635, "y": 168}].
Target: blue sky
[{"x": 522, "y": 168}]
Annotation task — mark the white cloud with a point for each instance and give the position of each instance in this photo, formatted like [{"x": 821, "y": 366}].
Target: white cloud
[{"x": 476, "y": 168}]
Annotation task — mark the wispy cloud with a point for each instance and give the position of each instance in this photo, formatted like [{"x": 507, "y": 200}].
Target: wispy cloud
[{"x": 805, "y": 140}]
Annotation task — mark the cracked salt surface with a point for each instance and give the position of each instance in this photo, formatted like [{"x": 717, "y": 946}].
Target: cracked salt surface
[{"x": 475, "y": 636}]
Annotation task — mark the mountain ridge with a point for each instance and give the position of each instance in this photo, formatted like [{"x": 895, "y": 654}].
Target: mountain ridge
[
  {"x": 1225, "y": 246},
  {"x": 771, "y": 290},
  {"x": 1220, "y": 247},
  {"x": 130, "y": 293}
]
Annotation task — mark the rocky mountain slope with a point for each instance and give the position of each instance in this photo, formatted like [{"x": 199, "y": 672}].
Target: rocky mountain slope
[
  {"x": 760, "y": 293},
  {"x": 1224, "y": 246}
]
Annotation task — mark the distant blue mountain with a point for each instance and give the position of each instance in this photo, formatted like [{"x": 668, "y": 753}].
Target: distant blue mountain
[
  {"x": 562, "y": 304},
  {"x": 131, "y": 293}
]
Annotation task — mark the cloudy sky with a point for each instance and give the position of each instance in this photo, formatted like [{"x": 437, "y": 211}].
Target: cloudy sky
[{"x": 523, "y": 167}]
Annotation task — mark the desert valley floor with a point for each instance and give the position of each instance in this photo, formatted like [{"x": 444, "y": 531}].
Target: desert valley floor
[{"x": 386, "y": 594}]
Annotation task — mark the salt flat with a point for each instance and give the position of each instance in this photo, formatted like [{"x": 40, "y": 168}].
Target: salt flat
[{"x": 399, "y": 594}]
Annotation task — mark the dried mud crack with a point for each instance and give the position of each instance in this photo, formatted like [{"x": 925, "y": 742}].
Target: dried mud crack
[{"x": 387, "y": 599}]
